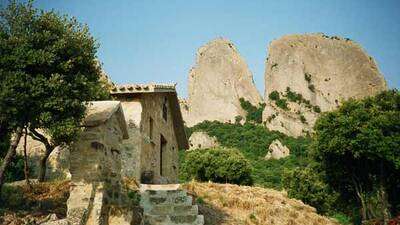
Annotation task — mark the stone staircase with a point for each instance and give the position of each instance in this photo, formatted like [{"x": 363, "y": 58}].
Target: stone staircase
[{"x": 168, "y": 206}]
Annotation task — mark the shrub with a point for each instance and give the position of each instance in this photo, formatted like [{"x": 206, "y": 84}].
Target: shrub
[
  {"x": 307, "y": 185},
  {"x": 303, "y": 119},
  {"x": 274, "y": 96},
  {"x": 219, "y": 165},
  {"x": 316, "y": 109},
  {"x": 293, "y": 96},
  {"x": 253, "y": 113},
  {"x": 282, "y": 103}
]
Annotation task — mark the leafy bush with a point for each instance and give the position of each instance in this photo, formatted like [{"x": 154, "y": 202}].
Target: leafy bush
[
  {"x": 274, "y": 96},
  {"x": 303, "y": 119},
  {"x": 254, "y": 114},
  {"x": 293, "y": 96},
  {"x": 218, "y": 165},
  {"x": 316, "y": 109},
  {"x": 282, "y": 103},
  {"x": 307, "y": 185}
]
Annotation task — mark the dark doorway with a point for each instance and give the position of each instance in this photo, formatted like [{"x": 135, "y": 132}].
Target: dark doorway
[{"x": 163, "y": 148}]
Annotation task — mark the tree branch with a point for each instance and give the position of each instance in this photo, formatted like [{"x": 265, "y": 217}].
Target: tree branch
[{"x": 40, "y": 137}]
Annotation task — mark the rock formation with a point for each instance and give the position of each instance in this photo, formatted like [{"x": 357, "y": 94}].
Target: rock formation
[
  {"x": 201, "y": 140},
  {"x": 312, "y": 73},
  {"x": 217, "y": 81},
  {"x": 277, "y": 150}
]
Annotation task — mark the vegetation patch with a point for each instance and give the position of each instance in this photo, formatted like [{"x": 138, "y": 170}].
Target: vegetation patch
[
  {"x": 253, "y": 113},
  {"x": 220, "y": 165},
  {"x": 292, "y": 96},
  {"x": 279, "y": 102},
  {"x": 252, "y": 140}
]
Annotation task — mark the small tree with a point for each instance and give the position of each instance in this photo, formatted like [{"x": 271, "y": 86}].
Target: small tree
[
  {"x": 48, "y": 71},
  {"x": 358, "y": 146}
]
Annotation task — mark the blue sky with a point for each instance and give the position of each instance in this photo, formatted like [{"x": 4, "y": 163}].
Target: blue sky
[{"x": 149, "y": 40}]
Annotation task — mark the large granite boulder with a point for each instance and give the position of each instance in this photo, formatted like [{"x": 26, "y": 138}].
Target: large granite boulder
[
  {"x": 314, "y": 73},
  {"x": 201, "y": 140},
  {"x": 277, "y": 150},
  {"x": 216, "y": 83}
]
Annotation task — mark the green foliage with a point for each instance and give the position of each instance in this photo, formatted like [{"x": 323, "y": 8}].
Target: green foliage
[
  {"x": 218, "y": 165},
  {"x": 274, "y": 96},
  {"x": 200, "y": 200},
  {"x": 253, "y": 140},
  {"x": 342, "y": 218},
  {"x": 282, "y": 103},
  {"x": 358, "y": 147},
  {"x": 238, "y": 119},
  {"x": 307, "y": 184},
  {"x": 134, "y": 197},
  {"x": 254, "y": 114},
  {"x": 15, "y": 170},
  {"x": 293, "y": 96},
  {"x": 48, "y": 70},
  {"x": 303, "y": 119},
  {"x": 317, "y": 109}
]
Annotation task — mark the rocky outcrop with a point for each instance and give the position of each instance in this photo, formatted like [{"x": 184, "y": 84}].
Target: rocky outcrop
[
  {"x": 216, "y": 83},
  {"x": 201, "y": 140},
  {"x": 313, "y": 73},
  {"x": 277, "y": 150}
]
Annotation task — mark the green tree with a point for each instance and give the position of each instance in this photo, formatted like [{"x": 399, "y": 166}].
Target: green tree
[
  {"x": 308, "y": 185},
  {"x": 48, "y": 70},
  {"x": 358, "y": 146}
]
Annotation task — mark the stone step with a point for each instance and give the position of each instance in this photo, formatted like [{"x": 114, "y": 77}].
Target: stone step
[
  {"x": 165, "y": 200},
  {"x": 173, "y": 219},
  {"x": 163, "y": 193},
  {"x": 173, "y": 210}
]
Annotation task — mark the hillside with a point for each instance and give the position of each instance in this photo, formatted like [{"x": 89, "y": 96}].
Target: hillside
[{"x": 228, "y": 204}]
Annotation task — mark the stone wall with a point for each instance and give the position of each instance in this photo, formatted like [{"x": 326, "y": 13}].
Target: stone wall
[
  {"x": 151, "y": 143},
  {"x": 132, "y": 147},
  {"x": 95, "y": 165}
]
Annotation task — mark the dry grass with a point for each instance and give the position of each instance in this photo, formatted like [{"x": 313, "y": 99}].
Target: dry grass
[
  {"x": 228, "y": 204},
  {"x": 20, "y": 204}
]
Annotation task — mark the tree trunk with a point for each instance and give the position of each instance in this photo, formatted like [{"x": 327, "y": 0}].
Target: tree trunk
[
  {"x": 49, "y": 148},
  {"x": 10, "y": 155},
  {"x": 43, "y": 161},
  {"x": 360, "y": 198},
  {"x": 383, "y": 197},
  {"x": 26, "y": 166}
]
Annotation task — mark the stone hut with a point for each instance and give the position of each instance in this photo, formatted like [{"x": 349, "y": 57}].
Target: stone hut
[
  {"x": 95, "y": 164},
  {"x": 156, "y": 131}
]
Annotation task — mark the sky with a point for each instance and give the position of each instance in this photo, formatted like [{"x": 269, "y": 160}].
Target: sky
[{"x": 144, "y": 41}]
